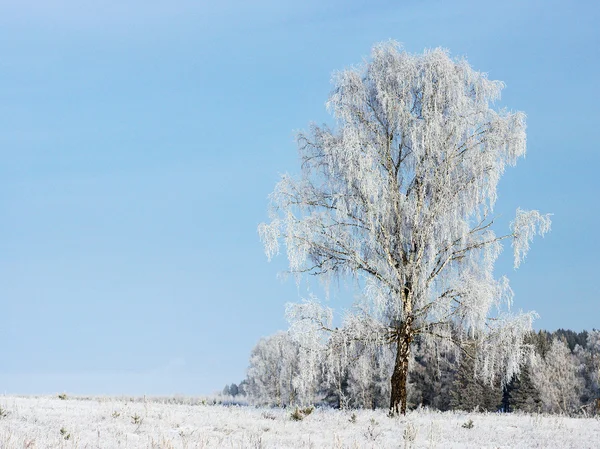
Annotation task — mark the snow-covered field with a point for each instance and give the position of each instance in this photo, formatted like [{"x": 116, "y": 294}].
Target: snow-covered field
[{"x": 49, "y": 422}]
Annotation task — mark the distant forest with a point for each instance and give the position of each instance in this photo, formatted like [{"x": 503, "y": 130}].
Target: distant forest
[{"x": 560, "y": 375}]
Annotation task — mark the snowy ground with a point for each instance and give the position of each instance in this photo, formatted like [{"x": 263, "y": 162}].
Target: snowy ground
[{"x": 49, "y": 422}]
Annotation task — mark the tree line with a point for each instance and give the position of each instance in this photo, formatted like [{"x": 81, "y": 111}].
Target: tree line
[{"x": 560, "y": 374}]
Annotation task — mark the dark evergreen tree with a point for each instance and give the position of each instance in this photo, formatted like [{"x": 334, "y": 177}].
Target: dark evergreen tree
[
  {"x": 522, "y": 395},
  {"x": 468, "y": 392},
  {"x": 571, "y": 338},
  {"x": 541, "y": 341},
  {"x": 506, "y": 399}
]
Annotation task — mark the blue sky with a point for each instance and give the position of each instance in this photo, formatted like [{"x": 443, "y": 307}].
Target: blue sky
[{"x": 140, "y": 140}]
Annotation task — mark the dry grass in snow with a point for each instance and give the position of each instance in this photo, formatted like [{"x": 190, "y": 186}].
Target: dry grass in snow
[{"x": 49, "y": 422}]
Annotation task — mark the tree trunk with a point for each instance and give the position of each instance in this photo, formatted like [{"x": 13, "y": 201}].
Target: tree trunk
[{"x": 400, "y": 375}]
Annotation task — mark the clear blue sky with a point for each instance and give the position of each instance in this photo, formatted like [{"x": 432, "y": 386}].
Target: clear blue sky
[{"x": 140, "y": 140}]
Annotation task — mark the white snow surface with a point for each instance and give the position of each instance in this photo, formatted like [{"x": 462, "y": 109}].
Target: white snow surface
[{"x": 36, "y": 422}]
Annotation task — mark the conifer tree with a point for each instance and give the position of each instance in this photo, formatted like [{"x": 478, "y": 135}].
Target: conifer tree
[
  {"x": 469, "y": 392},
  {"x": 523, "y": 394}
]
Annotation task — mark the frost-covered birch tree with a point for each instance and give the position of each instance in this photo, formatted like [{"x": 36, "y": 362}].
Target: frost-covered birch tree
[
  {"x": 399, "y": 195},
  {"x": 558, "y": 378},
  {"x": 273, "y": 368}
]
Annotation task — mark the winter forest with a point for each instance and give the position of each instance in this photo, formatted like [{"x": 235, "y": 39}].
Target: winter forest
[{"x": 560, "y": 375}]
